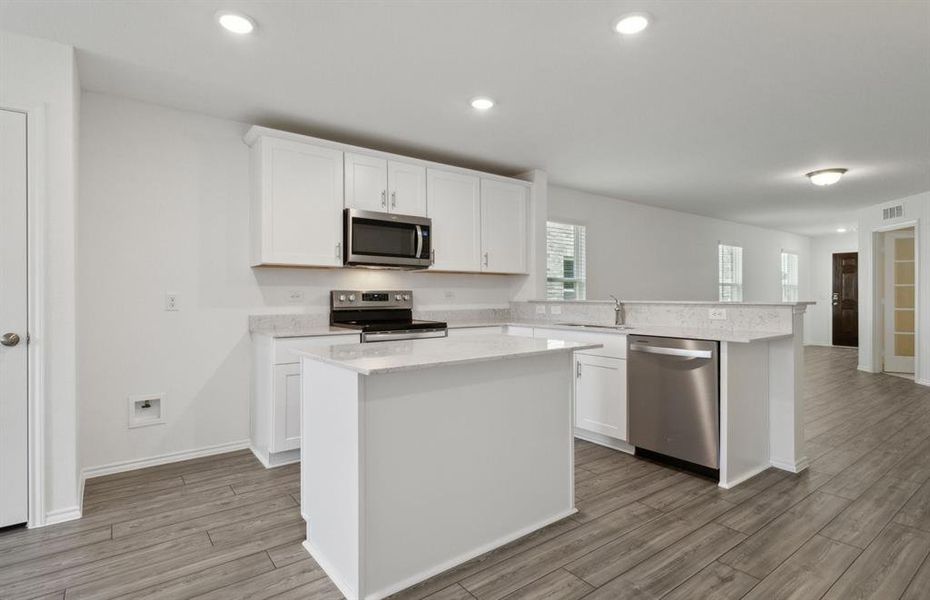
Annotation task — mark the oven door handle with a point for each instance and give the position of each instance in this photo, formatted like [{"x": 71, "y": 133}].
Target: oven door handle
[
  {"x": 419, "y": 241},
  {"x": 415, "y": 334}
]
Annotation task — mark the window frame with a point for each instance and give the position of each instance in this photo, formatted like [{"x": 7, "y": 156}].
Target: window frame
[
  {"x": 797, "y": 274},
  {"x": 581, "y": 283},
  {"x": 732, "y": 285}
]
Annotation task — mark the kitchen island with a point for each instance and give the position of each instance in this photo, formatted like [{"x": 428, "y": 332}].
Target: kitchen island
[{"x": 419, "y": 455}]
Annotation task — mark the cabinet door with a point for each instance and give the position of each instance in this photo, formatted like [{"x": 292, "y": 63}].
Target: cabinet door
[
  {"x": 407, "y": 188},
  {"x": 600, "y": 395},
  {"x": 503, "y": 227},
  {"x": 297, "y": 204},
  {"x": 366, "y": 182},
  {"x": 286, "y": 408},
  {"x": 453, "y": 203}
]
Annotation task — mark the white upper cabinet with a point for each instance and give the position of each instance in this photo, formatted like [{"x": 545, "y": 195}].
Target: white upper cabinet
[
  {"x": 453, "y": 203},
  {"x": 503, "y": 226},
  {"x": 296, "y": 214},
  {"x": 366, "y": 182},
  {"x": 407, "y": 188}
]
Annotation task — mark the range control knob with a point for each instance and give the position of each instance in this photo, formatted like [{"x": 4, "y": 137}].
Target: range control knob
[
  {"x": 397, "y": 297},
  {"x": 342, "y": 297},
  {"x": 351, "y": 297},
  {"x": 406, "y": 297}
]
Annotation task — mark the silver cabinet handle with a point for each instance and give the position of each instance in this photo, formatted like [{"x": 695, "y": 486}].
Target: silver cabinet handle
[
  {"x": 578, "y": 369},
  {"x": 485, "y": 259},
  {"x": 671, "y": 351},
  {"x": 9, "y": 339},
  {"x": 383, "y": 198},
  {"x": 432, "y": 257},
  {"x": 394, "y": 199},
  {"x": 338, "y": 249}
]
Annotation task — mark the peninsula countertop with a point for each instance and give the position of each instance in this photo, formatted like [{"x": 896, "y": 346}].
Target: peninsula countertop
[{"x": 389, "y": 357}]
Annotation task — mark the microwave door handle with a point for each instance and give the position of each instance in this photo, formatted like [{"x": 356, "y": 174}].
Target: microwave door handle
[{"x": 419, "y": 241}]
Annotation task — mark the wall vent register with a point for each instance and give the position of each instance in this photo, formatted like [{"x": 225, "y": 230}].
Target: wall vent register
[{"x": 893, "y": 212}]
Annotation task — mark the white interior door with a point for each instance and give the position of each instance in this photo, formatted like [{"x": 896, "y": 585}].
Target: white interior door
[
  {"x": 13, "y": 320},
  {"x": 900, "y": 300}
]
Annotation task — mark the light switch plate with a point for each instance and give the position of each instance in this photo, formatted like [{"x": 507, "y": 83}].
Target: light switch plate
[
  {"x": 540, "y": 309},
  {"x": 717, "y": 314},
  {"x": 555, "y": 309}
]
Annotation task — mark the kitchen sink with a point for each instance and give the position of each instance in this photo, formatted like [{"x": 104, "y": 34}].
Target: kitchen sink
[{"x": 585, "y": 326}]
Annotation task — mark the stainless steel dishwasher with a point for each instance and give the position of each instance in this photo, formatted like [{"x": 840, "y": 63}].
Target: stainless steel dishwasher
[{"x": 673, "y": 395}]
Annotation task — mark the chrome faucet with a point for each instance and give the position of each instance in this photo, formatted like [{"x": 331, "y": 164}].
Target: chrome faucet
[{"x": 618, "y": 311}]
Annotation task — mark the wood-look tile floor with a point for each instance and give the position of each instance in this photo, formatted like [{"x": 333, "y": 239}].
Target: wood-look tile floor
[{"x": 855, "y": 525}]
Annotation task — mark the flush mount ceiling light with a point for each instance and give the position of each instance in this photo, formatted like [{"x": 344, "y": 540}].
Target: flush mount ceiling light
[
  {"x": 631, "y": 24},
  {"x": 482, "y": 103},
  {"x": 235, "y": 22},
  {"x": 825, "y": 176}
]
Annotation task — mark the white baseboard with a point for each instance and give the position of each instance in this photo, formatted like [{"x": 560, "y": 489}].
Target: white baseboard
[
  {"x": 924, "y": 382},
  {"x": 604, "y": 440},
  {"x": 278, "y": 459},
  {"x": 795, "y": 467},
  {"x": 743, "y": 477},
  {"x": 162, "y": 459},
  {"x": 440, "y": 568},
  {"x": 331, "y": 572},
  {"x": 61, "y": 515}
]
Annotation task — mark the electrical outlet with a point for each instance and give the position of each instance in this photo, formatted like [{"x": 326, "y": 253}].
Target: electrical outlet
[
  {"x": 295, "y": 296},
  {"x": 717, "y": 314},
  {"x": 555, "y": 309},
  {"x": 540, "y": 309},
  {"x": 172, "y": 301}
]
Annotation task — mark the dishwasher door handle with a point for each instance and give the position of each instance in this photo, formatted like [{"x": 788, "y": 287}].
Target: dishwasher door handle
[{"x": 672, "y": 351}]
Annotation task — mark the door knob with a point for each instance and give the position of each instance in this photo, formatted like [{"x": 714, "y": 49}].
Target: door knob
[{"x": 9, "y": 339}]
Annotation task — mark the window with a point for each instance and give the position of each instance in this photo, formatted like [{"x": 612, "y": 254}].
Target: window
[
  {"x": 730, "y": 272},
  {"x": 565, "y": 263},
  {"x": 789, "y": 277}
]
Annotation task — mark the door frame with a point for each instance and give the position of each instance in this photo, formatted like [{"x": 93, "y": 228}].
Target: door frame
[
  {"x": 877, "y": 265},
  {"x": 36, "y": 210}
]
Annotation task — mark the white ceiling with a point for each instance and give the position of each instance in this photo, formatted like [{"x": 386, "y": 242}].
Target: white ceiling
[{"x": 719, "y": 108}]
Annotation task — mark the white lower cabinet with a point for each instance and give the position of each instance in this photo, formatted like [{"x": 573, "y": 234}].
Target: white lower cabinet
[
  {"x": 600, "y": 395},
  {"x": 275, "y": 408},
  {"x": 286, "y": 408}
]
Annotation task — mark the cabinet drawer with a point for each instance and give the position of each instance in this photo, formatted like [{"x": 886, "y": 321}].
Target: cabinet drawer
[
  {"x": 284, "y": 347},
  {"x": 614, "y": 344}
]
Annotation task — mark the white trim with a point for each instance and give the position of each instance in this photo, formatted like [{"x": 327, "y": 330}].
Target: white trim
[
  {"x": 161, "y": 459},
  {"x": 791, "y": 467},
  {"x": 277, "y": 459},
  {"x": 877, "y": 325},
  {"x": 61, "y": 515},
  {"x": 924, "y": 382},
  {"x": 604, "y": 440},
  {"x": 744, "y": 477},
  {"x": 351, "y": 594}
]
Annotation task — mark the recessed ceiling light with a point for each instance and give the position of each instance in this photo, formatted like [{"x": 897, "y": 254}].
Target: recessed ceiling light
[
  {"x": 825, "y": 176},
  {"x": 482, "y": 103},
  {"x": 630, "y": 24},
  {"x": 235, "y": 22},
  {"x": 841, "y": 230}
]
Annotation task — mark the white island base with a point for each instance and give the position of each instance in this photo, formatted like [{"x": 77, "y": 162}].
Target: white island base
[{"x": 408, "y": 471}]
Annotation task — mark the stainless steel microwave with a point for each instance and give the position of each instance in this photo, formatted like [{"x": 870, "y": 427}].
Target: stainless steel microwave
[{"x": 385, "y": 240}]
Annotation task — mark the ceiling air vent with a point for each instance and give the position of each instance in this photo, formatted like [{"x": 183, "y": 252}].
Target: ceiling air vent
[{"x": 893, "y": 212}]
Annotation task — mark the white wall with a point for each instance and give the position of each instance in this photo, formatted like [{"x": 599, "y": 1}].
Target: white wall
[
  {"x": 41, "y": 76},
  {"x": 164, "y": 206},
  {"x": 818, "y": 327},
  {"x": 916, "y": 208},
  {"x": 640, "y": 252}
]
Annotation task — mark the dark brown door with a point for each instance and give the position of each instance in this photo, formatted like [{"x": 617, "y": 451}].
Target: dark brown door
[{"x": 846, "y": 299}]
